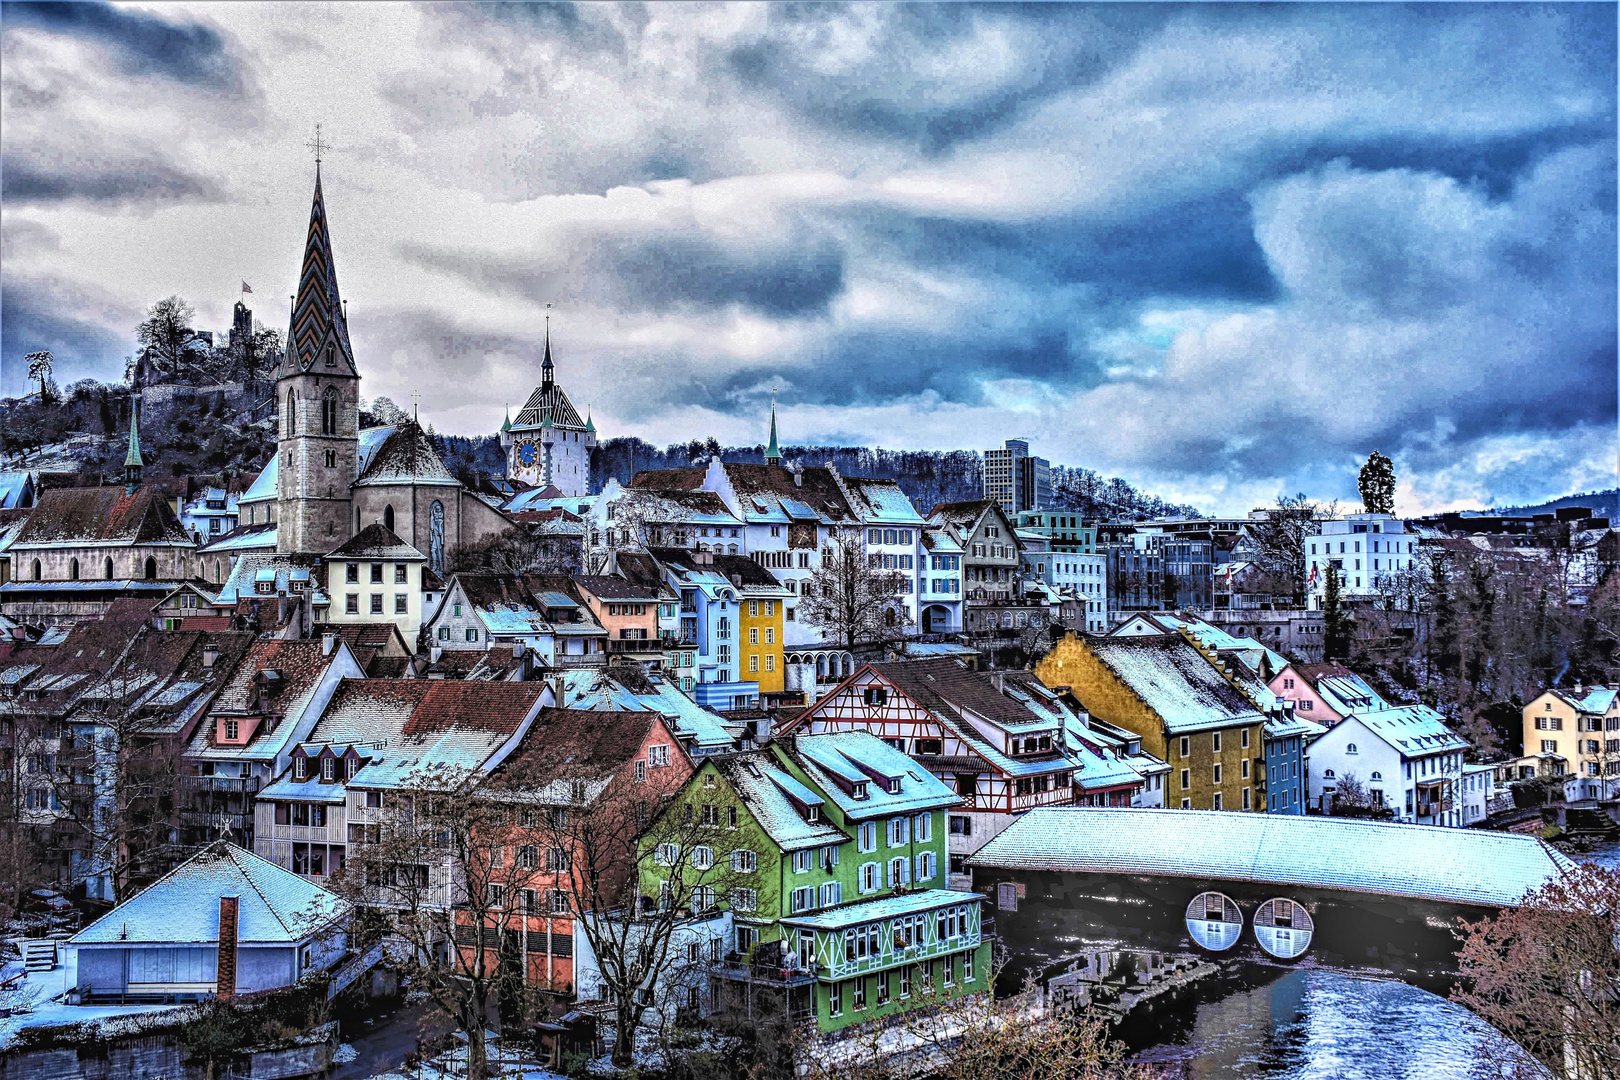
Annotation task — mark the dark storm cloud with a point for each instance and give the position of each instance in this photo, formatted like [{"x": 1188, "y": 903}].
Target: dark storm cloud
[
  {"x": 39, "y": 315},
  {"x": 659, "y": 273},
  {"x": 144, "y": 44},
  {"x": 29, "y": 181},
  {"x": 901, "y": 89}
]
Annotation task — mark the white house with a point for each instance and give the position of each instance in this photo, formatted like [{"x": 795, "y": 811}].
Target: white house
[
  {"x": 211, "y": 513},
  {"x": 1406, "y": 758},
  {"x": 1478, "y": 789},
  {"x": 223, "y": 923},
  {"x": 1086, "y": 575},
  {"x": 1367, "y": 550}
]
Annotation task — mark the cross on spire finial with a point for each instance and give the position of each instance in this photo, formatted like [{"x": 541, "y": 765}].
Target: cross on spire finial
[
  {"x": 416, "y": 403},
  {"x": 319, "y": 145}
]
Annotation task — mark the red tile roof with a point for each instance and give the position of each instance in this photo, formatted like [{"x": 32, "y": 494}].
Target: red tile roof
[{"x": 480, "y": 706}]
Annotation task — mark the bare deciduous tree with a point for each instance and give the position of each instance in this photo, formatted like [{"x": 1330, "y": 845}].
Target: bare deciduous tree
[
  {"x": 1546, "y": 974},
  {"x": 852, "y": 599},
  {"x": 436, "y": 872}
]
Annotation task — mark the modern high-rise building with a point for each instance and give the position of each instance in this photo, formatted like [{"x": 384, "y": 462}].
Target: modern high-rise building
[{"x": 1016, "y": 480}]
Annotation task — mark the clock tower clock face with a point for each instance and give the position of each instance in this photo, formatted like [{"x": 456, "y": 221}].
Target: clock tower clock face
[{"x": 526, "y": 453}]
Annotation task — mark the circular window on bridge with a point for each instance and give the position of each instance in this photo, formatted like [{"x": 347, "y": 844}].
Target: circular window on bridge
[
  {"x": 1215, "y": 921},
  {"x": 1283, "y": 928}
]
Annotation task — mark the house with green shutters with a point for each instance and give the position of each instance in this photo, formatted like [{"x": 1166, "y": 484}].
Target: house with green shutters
[{"x": 837, "y": 885}]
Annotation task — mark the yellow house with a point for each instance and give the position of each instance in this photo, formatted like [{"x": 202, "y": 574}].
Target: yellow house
[
  {"x": 1579, "y": 730},
  {"x": 1187, "y": 711},
  {"x": 760, "y": 628}
]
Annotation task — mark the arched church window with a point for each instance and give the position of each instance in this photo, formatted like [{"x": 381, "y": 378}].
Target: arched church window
[
  {"x": 73, "y": 569},
  {"x": 329, "y": 411},
  {"x": 388, "y": 518},
  {"x": 290, "y": 424},
  {"x": 151, "y": 568},
  {"x": 106, "y": 569},
  {"x": 331, "y": 355}
]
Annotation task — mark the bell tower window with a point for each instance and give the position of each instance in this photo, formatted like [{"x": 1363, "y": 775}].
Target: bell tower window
[
  {"x": 331, "y": 355},
  {"x": 292, "y": 412},
  {"x": 329, "y": 409}
]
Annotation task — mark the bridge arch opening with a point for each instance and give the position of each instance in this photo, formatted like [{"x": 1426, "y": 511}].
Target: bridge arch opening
[
  {"x": 1283, "y": 928},
  {"x": 1214, "y": 921}
]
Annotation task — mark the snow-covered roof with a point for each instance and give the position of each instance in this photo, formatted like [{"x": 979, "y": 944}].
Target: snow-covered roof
[
  {"x": 763, "y": 786},
  {"x": 599, "y": 690},
  {"x": 1597, "y": 699},
  {"x": 856, "y": 755},
  {"x": 1460, "y": 866},
  {"x": 259, "y": 537},
  {"x": 885, "y": 503},
  {"x": 1294, "y": 724},
  {"x": 14, "y": 488},
  {"x": 1176, "y": 681},
  {"x": 1413, "y": 730},
  {"x": 889, "y": 907},
  {"x": 274, "y": 906},
  {"x": 248, "y": 568},
  {"x": 1348, "y": 693},
  {"x": 404, "y": 455},
  {"x": 264, "y": 486}
]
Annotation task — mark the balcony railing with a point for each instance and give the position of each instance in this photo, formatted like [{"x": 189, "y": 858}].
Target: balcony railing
[
  {"x": 581, "y": 660},
  {"x": 635, "y": 645},
  {"x": 229, "y": 785},
  {"x": 770, "y": 975},
  {"x": 844, "y": 968},
  {"x": 677, "y": 637}
]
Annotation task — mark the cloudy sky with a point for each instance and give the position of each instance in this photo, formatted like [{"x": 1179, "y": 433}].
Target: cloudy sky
[{"x": 1222, "y": 251}]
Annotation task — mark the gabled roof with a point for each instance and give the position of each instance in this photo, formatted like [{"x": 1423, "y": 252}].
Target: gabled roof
[
  {"x": 377, "y": 541},
  {"x": 102, "y": 515},
  {"x": 264, "y": 485},
  {"x": 369, "y": 711},
  {"x": 604, "y": 587},
  {"x": 628, "y": 688},
  {"x": 860, "y": 754},
  {"x": 260, "y": 536},
  {"x": 1411, "y": 730},
  {"x": 575, "y": 743},
  {"x": 1596, "y": 700},
  {"x": 281, "y": 568},
  {"x": 274, "y": 906},
  {"x": 764, "y": 787},
  {"x": 885, "y": 502},
  {"x": 1174, "y": 679},
  {"x": 944, "y": 684},
  {"x": 405, "y": 456},
  {"x": 773, "y": 489},
  {"x": 299, "y": 666},
  {"x": 455, "y": 731},
  {"x": 642, "y": 569},
  {"x": 964, "y": 513}
]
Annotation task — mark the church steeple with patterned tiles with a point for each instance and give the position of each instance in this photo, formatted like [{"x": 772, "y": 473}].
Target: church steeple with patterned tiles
[{"x": 318, "y": 396}]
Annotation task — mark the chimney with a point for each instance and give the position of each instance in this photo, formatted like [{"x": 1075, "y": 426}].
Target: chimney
[
  {"x": 281, "y": 610},
  {"x": 225, "y": 984},
  {"x": 798, "y": 475},
  {"x": 434, "y": 654},
  {"x": 517, "y": 649},
  {"x": 328, "y": 644}
]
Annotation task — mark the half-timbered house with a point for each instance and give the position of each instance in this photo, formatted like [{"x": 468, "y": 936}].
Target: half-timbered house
[{"x": 1001, "y": 740}]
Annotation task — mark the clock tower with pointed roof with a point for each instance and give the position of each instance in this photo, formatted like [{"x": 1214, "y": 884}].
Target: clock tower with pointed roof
[
  {"x": 547, "y": 443},
  {"x": 318, "y": 390}
]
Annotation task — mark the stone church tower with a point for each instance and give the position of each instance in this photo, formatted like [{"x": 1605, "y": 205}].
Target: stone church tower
[{"x": 318, "y": 388}]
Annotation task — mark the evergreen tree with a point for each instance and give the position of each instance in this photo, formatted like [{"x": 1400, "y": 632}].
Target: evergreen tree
[
  {"x": 1377, "y": 484},
  {"x": 1335, "y": 628}
]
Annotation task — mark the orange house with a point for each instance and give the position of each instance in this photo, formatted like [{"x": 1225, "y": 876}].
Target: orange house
[{"x": 571, "y": 761}]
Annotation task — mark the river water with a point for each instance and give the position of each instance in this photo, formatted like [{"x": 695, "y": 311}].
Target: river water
[{"x": 1320, "y": 1024}]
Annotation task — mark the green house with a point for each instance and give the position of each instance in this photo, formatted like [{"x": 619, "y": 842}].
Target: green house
[{"x": 836, "y": 850}]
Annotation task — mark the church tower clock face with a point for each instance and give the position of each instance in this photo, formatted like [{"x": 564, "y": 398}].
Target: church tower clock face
[{"x": 527, "y": 454}]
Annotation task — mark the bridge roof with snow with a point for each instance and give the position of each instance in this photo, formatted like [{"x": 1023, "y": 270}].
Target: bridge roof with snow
[{"x": 1459, "y": 866}]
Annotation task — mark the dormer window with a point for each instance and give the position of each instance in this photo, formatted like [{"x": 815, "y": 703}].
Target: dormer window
[
  {"x": 858, "y": 790},
  {"x": 813, "y": 812},
  {"x": 233, "y": 730},
  {"x": 328, "y": 769},
  {"x": 350, "y": 767},
  {"x": 300, "y": 767},
  {"x": 893, "y": 785}
]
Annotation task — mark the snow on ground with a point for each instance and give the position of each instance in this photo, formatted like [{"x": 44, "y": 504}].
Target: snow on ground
[{"x": 40, "y": 1001}]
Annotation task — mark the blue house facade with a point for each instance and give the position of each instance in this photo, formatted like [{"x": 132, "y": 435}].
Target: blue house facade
[{"x": 1287, "y": 778}]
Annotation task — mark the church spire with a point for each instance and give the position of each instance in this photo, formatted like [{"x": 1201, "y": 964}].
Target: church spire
[
  {"x": 318, "y": 333},
  {"x": 133, "y": 466},
  {"x": 546, "y": 366},
  {"x": 506, "y": 425},
  {"x": 773, "y": 455}
]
